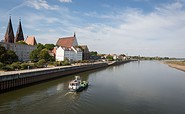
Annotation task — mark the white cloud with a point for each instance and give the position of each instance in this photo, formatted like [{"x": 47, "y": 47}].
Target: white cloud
[
  {"x": 66, "y": 1},
  {"x": 41, "y": 4},
  {"x": 159, "y": 33}
]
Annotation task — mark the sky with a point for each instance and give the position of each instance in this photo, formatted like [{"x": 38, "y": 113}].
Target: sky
[{"x": 131, "y": 27}]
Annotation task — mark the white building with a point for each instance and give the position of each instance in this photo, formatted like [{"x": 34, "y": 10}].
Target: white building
[
  {"x": 21, "y": 50},
  {"x": 72, "y": 53}
]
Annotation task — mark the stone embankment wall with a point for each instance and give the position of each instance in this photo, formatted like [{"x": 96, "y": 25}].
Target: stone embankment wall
[
  {"x": 18, "y": 80},
  {"x": 9, "y": 82}
]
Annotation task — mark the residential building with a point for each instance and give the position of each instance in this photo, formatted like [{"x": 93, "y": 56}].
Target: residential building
[
  {"x": 85, "y": 52},
  {"x": 68, "y": 48},
  {"x": 72, "y": 53}
]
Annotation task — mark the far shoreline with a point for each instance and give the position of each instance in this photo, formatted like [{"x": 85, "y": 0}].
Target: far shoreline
[{"x": 176, "y": 66}]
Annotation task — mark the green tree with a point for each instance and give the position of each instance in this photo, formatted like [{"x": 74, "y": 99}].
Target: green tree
[
  {"x": 93, "y": 53},
  {"x": 41, "y": 63},
  {"x": 110, "y": 58},
  {"x": 7, "y": 56},
  {"x": 34, "y": 55},
  {"x": 2, "y": 54},
  {"x": 16, "y": 65},
  {"x": 44, "y": 55},
  {"x": 1, "y": 65},
  {"x": 40, "y": 46},
  {"x": 49, "y": 46},
  {"x": 11, "y": 56}
]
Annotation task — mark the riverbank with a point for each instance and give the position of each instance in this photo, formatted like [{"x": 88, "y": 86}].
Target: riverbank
[
  {"x": 180, "y": 65},
  {"x": 18, "y": 79}
]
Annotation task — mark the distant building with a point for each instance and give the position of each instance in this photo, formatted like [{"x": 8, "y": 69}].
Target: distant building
[
  {"x": 67, "y": 41},
  {"x": 21, "y": 50},
  {"x": 68, "y": 48},
  {"x": 85, "y": 52},
  {"x": 9, "y": 35},
  {"x": 19, "y": 35},
  {"x": 30, "y": 40},
  {"x": 72, "y": 53}
]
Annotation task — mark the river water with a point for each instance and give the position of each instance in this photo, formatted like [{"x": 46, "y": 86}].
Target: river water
[{"x": 145, "y": 87}]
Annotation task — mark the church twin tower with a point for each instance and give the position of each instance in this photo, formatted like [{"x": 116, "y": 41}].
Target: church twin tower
[{"x": 9, "y": 35}]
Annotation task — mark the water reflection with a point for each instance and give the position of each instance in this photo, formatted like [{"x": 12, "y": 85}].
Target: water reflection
[{"x": 141, "y": 87}]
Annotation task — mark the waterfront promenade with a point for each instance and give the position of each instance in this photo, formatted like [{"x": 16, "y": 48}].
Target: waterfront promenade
[{"x": 3, "y": 73}]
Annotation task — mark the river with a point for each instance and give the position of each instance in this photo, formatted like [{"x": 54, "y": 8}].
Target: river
[{"x": 145, "y": 87}]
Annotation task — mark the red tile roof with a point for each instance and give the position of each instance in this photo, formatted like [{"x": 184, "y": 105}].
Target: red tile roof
[
  {"x": 65, "y": 42},
  {"x": 30, "y": 40}
]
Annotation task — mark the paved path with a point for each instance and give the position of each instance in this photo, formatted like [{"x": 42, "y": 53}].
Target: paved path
[{"x": 2, "y": 73}]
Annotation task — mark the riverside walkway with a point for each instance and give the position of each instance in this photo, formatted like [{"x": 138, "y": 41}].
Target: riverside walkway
[{"x": 3, "y": 73}]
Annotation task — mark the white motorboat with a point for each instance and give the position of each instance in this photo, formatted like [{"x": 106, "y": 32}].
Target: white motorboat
[{"x": 77, "y": 84}]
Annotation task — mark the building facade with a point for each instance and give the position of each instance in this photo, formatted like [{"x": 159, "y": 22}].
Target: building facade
[
  {"x": 73, "y": 53},
  {"x": 21, "y": 50}
]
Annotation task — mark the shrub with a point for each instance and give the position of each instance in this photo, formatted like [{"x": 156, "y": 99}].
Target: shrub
[
  {"x": 7, "y": 68},
  {"x": 16, "y": 65},
  {"x": 41, "y": 63},
  {"x": 24, "y": 66},
  {"x": 1, "y": 66}
]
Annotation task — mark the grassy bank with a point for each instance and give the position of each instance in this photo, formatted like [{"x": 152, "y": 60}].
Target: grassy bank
[{"x": 180, "y": 65}]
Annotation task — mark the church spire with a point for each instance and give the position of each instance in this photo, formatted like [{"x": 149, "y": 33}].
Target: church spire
[
  {"x": 74, "y": 34},
  {"x": 19, "y": 34},
  {"x": 9, "y": 35}
]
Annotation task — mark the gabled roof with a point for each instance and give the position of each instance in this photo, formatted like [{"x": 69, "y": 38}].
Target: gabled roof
[
  {"x": 9, "y": 35},
  {"x": 67, "y": 41},
  {"x": 30, "y": 40},
  {"x": 19, "y": 34}
]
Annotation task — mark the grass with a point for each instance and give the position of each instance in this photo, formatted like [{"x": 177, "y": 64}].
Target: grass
[{"x": 176, "y": 62}]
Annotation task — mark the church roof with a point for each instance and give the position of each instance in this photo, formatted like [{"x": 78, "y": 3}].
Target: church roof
[
  {"x": 65, "y": 42},
  {"x": 9, "y": 35},
  {"x": 30, "y": 40},
  {"x": 19, "y": 34}
]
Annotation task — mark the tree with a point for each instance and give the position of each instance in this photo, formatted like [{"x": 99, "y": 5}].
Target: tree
[
  {"x": 93, "y": 53},
  {"x": 49, "y": 46},
  {"x": 34, "y": 55},
  {"x": 41, "y": 63},
  {"x": 2, "y": 54},
  {"x": 44, "y": 55},
  {"x": 110, "y": 58},
  {"x": 1, "y": 65},
  {"x": 40, "y": 46},
  {"x": 16, "y": 65},
  {"x": 11, "y": 56}
]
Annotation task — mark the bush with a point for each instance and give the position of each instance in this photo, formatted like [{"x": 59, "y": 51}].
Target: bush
[
  {"x": 56, "y": 63},
  {"x": 16, "y": 65},
  {"x": 1, "y": 66},
  {"x": 41, "y": 63},
  {"x": 7, "y": 68},
  {"x": 65, "y": 63},
  {"x": 24, "y": 66}
]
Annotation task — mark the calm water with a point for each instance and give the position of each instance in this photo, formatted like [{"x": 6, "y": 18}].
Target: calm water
[{"x": 146, "y": 87}]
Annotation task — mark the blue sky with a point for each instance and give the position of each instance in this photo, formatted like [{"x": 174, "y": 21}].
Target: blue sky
[{"x": 133, "y": 27}]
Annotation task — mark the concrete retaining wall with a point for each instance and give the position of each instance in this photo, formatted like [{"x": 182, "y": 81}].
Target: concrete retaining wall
[{"x": 9, "y": 82}]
